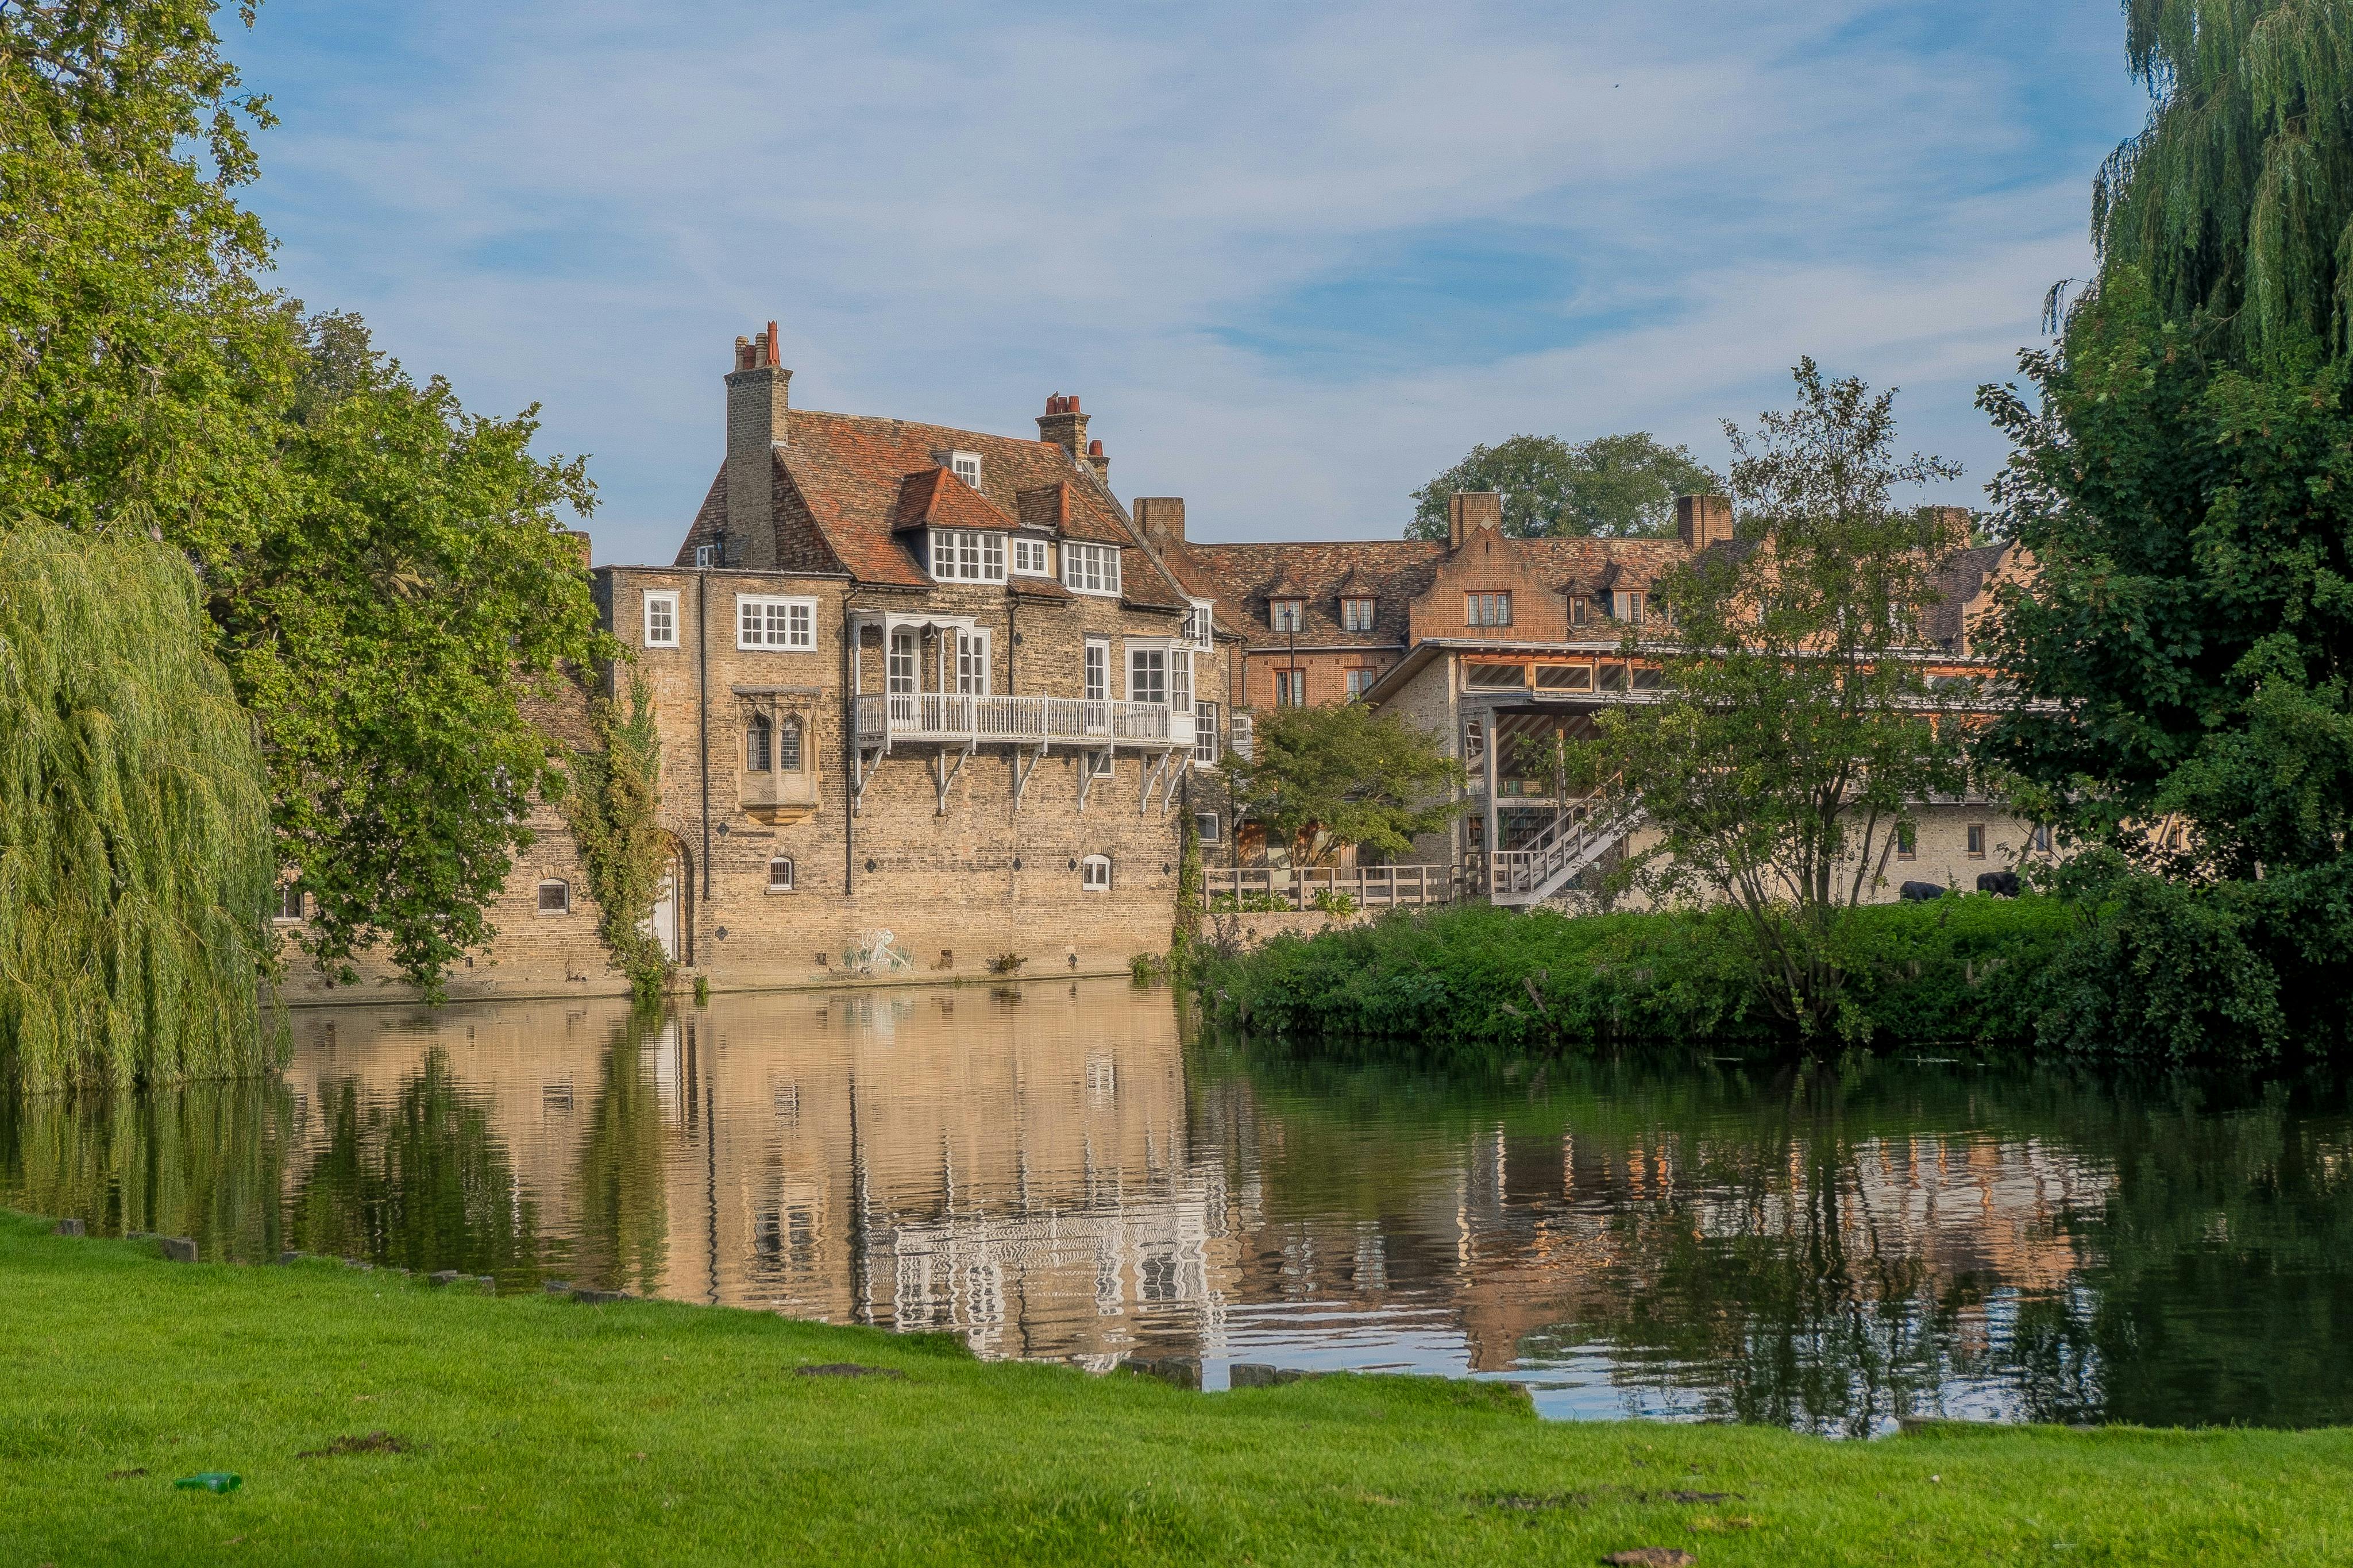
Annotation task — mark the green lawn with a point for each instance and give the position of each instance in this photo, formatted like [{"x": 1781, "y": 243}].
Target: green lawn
[{"x": 539, "y": 1430}]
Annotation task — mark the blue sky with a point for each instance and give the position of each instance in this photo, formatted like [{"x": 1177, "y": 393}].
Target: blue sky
[{"x": 1296, "y": 260}]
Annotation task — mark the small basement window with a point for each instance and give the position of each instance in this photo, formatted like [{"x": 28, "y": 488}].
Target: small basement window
[
  {"x": 1095, "y": 874},
  {"x": 554, "y": 897},
  {"x": 780, "y": 875}
]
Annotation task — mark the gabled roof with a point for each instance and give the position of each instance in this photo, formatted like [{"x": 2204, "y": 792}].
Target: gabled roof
[
  {"x": 935, "y": 498},
  {"x": 846, "y": 487},
  {"x": 1242, "y": 577}
]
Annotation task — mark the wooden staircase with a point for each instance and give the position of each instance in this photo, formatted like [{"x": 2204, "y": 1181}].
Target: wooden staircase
[{"x": 1577, "y": 836}]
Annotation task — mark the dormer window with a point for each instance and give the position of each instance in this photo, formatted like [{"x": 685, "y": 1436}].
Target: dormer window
[
  {"x": 1287, "y": 614},
  {"x": 1200, "y": 626},
  {"x": 1031, "y": 556},
  {"x": 1577, "y": 603},
  {"x": 967, "y": 555},
  {"x": 1090, "y": 568},
  {"x": 965, "y": 466},
  {"x": 1357, "y": 614}
]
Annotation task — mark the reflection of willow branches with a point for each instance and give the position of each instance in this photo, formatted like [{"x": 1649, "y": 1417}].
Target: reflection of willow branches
[
  {"x": 419, "y": 1182},
  {"x": 202, "y": 1161},
  {"x": 624, "y": 1208}
]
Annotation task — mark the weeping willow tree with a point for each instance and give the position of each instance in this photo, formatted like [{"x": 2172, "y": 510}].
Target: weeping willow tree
[
  {"x": 2182, "y": 479},
  {"x": 2235, "y": 202},
  {"x": 135, "y": 851}
]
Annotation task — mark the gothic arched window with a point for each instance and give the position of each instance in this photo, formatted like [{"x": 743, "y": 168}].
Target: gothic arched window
[
  {"x": 788, "y": 746},
  {"x": 756, "y": 743}
]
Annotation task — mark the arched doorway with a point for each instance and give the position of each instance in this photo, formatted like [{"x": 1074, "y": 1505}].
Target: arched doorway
[{"x": 671, "y": 924}]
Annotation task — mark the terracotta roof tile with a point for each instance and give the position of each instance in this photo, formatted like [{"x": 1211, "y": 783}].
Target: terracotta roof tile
[{"x": 934, "y": 498}]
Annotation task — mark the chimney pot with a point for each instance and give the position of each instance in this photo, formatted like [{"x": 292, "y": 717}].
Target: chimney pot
[
  {"x": 1094, "y": 450},
  {"x": 1071, "y": 404}
]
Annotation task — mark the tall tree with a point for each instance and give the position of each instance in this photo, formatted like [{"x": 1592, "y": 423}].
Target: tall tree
[
  {"x": 2183, "y": 474},
  {"x": 384, "y": 571},
  {"x": 1612, "y": 486},
  {"x": 1794, "y": 729}
]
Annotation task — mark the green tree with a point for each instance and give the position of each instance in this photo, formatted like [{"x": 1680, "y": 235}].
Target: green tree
[
  {"x": 1320, "y": 779},
  {"x": 135, "y": 861},
  {"x": 1612, "y": 486},
  {"x": 383, "y": 570},
  {"x": 1794, "y": 732}
]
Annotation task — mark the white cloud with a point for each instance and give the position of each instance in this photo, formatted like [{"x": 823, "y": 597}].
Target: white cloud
[{"x": 955, "y": 212}]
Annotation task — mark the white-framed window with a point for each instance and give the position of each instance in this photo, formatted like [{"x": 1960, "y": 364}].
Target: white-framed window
[
  {"x": 1287, "y": 614},
  {"x": 1101, "y": 763},
  {"x": 963, "y": 667},
  {"x": 1096, "y": 671},
  {"x": 967, "y": 555},
  {"x": 763, "y": 622},
  {"x": 1204, "y": 734},
  {"x": 1090, "y": 568},
  {"x": 780, "y": 874},
  {"x": 289, "y": 902},
  {"x": 1487, "y": 609},
  {"x": 1147, "y": 674},
  {"x": 1180, "y": 679},
  {"x": 1206, "y": 826},
  {"x": 1241, "y": 735},
  {"x": 1200, "y": 625},
  {"x": 900, "y": 669},
  {"x": 707, "y": 557},
  {"x": 662, "y": 620},
  {"x": 1031, "y": 556},
  {"x": 965, "y": 466},
  {"x": 1361, "y": 681},
  {"x": 1095, "y": 874},
  {"x": 554, "y": 897},
  {"x": 1357, "y": 614}
]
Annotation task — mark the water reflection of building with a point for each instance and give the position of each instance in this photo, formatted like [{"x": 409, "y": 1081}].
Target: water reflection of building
[{"x": 1008, "y": 1163}]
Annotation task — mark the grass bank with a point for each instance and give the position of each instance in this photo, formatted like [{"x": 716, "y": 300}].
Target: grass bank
[
  {"x": 539, "y": 1430},
  {"x": 1466, "y": 979}
]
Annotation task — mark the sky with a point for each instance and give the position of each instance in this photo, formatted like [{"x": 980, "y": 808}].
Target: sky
[{"x": 1295, "y": 260}]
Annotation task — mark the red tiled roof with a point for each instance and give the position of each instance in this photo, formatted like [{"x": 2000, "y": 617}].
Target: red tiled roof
[{"x": 850, "y": 480}]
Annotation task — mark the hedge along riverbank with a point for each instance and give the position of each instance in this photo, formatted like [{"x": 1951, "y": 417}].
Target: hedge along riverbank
[{"x": 1473, "y": 978}]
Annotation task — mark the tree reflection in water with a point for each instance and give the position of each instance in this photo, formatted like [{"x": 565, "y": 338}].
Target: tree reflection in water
[
  {"x": 416, "y": 1180},
  {"x": 622, "y": 1236}
]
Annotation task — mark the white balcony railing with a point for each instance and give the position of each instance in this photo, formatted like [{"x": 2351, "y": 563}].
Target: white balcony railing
[{"x": 951, "y": 717}]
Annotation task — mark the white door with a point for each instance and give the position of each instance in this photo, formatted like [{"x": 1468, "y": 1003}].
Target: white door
[{"x": 665, "y": 916}]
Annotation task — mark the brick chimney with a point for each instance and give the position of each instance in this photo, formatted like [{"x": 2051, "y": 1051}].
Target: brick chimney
[
  {"x": 1468, "y": 510},
  {"x": 1063, "y": 424},
  {"x": 758, "y": 407},
  {"x": 1703, "y": 521},
  {"x": 1098, "y": 462},
  {"x": 1162, "y": 518}
]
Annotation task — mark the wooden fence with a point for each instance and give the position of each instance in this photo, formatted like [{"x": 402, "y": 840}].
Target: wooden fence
[{"x": 1370, "y": 887}]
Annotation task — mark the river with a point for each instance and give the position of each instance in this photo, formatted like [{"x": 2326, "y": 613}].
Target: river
[{"x": 1060, "y": 1171}]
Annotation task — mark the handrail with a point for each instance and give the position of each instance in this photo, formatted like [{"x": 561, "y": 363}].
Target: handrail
[
  {"x": 1574, "y": 839},
  {"x": 1017, "y": 721},
  {"x": 1372, "y": 887}
]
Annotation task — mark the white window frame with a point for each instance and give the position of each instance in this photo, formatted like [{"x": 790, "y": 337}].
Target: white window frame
[
  {"x": 1029, "y": 544},
  {"x": 965, "y": 466},
  {"x": 1241, "y": 735},
  {"x": 667, "y": 600},
  {"x": 786, "y": 623},
  {"x": 706, "y": 556},
  {"x": 1090, "y": 568},
  {"x": 1095, "y": 874},
  {"x": 1357, "y": 613},
  {"x": 1201, "y": 625},
  {"x": 967, "y": 555},
  {"x": 1094, "y": 671},
  {"x": 1204, "y": 734},
  {"x": 965, "y": 660},
  {"x": 902, "y": 663},
  {"x": 790, "y": 872},
  {"x": 1144, "y": 649},
  {"x": 1215, "y": 826},
  {"x": 1180, "y": 681}
]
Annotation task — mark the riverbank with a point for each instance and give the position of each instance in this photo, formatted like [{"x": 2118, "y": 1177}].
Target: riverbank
[
  {"x": 539, "y": 1429},
  {"x": 1472, "y": 980}
]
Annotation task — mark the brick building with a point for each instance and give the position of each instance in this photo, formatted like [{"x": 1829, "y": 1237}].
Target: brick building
[
  {"x": 928, "y": 705},
  {"x": 1486, "y": 641}
]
